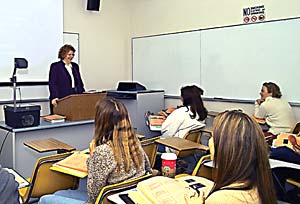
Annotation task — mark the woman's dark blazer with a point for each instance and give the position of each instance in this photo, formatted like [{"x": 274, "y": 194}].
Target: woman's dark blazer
[{"x": 60, "y": 84}]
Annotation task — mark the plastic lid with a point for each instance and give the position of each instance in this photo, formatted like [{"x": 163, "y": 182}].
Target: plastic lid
[{"x": 169, "y": 156}]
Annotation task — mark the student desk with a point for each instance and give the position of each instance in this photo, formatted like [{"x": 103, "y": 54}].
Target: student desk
[
  {"x": 48, "y": 144},
  {"x": 21, "y": 158},
  {"x": 180, "y": 144}
]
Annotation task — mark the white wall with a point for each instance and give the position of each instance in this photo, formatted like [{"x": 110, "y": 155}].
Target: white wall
[
  {"x": 151, "y": 17},
  {"x": 157, "y": 16},
  {"x": 104, "y": 41}
]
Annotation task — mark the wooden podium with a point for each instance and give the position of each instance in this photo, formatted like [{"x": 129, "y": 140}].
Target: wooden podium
[{"x": 78, "y": 106}]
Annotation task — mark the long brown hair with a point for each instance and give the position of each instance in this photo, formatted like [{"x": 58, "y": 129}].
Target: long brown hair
[
  {"x": 191, "y": 96},
  {"x": 113, "y": 127},
  {"x": 241, "y": 155}
]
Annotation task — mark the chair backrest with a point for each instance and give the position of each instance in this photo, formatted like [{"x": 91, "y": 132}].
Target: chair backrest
[
  {"x": 202, "y": 170},
  {"x": 296, "y": 128},
  {"x": 193, "y": 135},
  {"x": 150, "y": 148},
  {"x": 118, "y": 187},
  {"x": 45, "y": 181}
]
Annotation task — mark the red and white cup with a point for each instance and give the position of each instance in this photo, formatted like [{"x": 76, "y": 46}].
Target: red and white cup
[{"x": 168, "y": 167}]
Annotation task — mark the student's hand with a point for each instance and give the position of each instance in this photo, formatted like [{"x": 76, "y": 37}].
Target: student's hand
[
  {"x": 260, "y": 101},
  {"x": 92, "y": 147},
  {"x": 196, "y": 199},
  {"x": 163, "y": 114},
  {"x": 54, "y": 102}
]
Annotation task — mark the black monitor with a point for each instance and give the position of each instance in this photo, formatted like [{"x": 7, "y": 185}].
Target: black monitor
[{"x": 130, "y": 86}]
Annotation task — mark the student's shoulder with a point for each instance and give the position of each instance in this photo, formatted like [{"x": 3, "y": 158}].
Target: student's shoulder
[
  {"x": 104, "y": 150},
  {"x": 180, "y": 110},
  {"x": 233, "y": 196},
  {"x": 276, "y": 101}
]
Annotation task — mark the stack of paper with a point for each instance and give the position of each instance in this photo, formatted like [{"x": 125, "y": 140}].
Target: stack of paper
[{"x": 54, "y": 118}]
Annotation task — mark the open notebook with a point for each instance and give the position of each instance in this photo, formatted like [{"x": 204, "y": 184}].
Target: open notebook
[
  {"x": 164, "y": 190},
  {"x": 74, "y": 164}
]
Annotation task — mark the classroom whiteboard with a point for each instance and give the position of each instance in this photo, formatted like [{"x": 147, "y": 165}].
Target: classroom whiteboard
[
  {"x": 165, "y": 62},
  {"x": 236, "y": 60},
  {"x": 231, "y": 62}
]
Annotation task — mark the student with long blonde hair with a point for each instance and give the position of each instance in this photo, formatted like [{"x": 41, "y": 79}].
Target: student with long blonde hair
[
  {"x": 242, "y": 173},
  {"x": 116, "y": 154}
]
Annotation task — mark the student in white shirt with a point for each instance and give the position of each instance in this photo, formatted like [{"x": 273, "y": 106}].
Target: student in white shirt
[
  {"x": 191, "y": 115},
  {"x": 276, "y": 111}
]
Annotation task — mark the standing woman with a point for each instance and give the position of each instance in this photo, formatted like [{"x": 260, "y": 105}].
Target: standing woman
[
  {"x": 64, "y": 76},
  {"x": 191, "y": 115}
]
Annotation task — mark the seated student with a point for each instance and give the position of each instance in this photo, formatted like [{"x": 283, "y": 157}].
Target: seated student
[
  {"x": 191, "y": 115},
  {"x": 289, "y": 155},
  {"x": 8, "y": 188},
  {"x": 276, "y": 111},
  {"x": 242, "y": 173},
  {"x": 116, "y": 154}
]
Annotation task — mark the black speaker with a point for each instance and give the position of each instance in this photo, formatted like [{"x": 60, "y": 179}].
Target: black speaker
[
  {"x": 22, "y": 116},
  {"x": 93, "y": 5},
  {"x": 130, "y": 86}
]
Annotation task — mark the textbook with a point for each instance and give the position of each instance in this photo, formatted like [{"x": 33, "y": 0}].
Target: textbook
[
  {"x": 74, "y": 164},
  {"x": 20, "y": 179},
  {"x": 164, "y": 190},
  {"x": 54, "y": 118},
  {"x": 155, "y": 122}
]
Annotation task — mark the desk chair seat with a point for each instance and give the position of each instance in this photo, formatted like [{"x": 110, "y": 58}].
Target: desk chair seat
[
  {"x": 118, "y": 187},
  {"x": 45, "y": 181}
]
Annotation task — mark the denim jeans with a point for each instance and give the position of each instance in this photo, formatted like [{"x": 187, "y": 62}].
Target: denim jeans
[{"x": 78, "y": 196}]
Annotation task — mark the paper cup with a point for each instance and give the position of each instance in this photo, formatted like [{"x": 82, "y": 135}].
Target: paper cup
[{"x": 168, "y": 167}]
